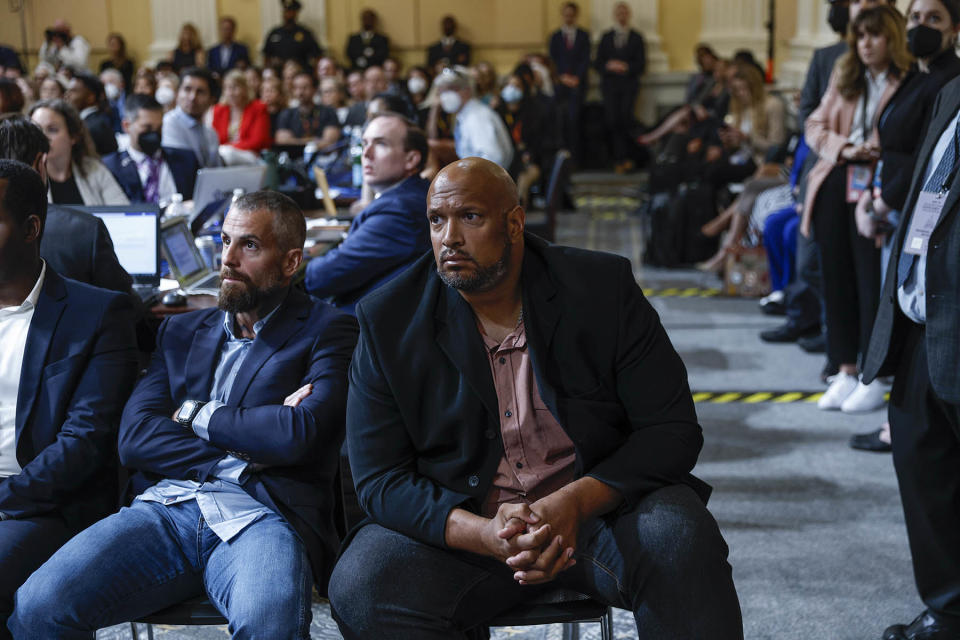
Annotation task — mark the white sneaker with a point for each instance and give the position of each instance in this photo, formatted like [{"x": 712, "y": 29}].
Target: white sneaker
[
  {"x": 774, "y": 297},
  {"x": 866, "y": 397},
  {"x": 842, "y": 386}
]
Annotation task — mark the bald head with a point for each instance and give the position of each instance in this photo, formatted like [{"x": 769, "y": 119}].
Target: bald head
[
  {"x": 476, "y": 226},
  {"x": 479, "y": 177}
]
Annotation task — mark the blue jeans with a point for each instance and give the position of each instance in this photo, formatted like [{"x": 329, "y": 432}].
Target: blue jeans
[
  {"x": 780, "y": 239},
  {"x": 665, "y": 561},
  {"x": 149, "y": 556}
]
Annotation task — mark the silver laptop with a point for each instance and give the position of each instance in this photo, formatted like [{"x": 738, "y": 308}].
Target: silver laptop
[
  {"x": 135, "y": 232},
  {"x": 218, "y": 184},
  {"x": 186, "y": 263}
]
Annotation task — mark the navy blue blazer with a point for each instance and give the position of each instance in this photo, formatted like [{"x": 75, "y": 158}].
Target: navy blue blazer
[
  {"x": 238, "y": 54},
  {"x": 307, "y": 341},
  {"x": 634, "y": 53},
  {"x": 423, "y": 425},
  {"x": 384, "y": 239},
  {"x": 182, "y": 162},
  {"x": 575, "y": 60},
  {"x": 79, "y": 366}
]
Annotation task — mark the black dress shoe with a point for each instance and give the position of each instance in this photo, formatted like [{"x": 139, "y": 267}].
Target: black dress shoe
[
  {"x": 783, "y": 333},
  {"x": 870, "y": 442},
  {"x": 925, "y": 627},
  {"x": 813, "y": 344}
]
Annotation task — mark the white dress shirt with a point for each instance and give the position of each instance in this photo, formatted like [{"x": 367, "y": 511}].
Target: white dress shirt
[
  {"x": 480, "y": 132},
  {"x": 167, "y": 186},
  {"x": 14, "y": 326},
  {"x": 876, "y": 85},
  {"x": 911, "y": 295}
]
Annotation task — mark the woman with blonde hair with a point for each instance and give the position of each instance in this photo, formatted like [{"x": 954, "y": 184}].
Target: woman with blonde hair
[
  {"x": 241, "y": 121},
  {"x": 843, "y": 133},
  {"x": 74, "y": 172},
  {"x": 189, "y": 51}
]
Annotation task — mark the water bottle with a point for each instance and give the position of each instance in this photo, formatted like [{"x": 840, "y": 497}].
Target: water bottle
[
  {"x": 309, "y": 150},
  {"x": 175, "y": 207},
  {"x": 356, "y": 155}
]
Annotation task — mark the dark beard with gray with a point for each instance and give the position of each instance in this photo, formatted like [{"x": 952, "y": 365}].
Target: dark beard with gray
[
  {"x": 483, "y": 279},
  {"x": 242, "y": 298}
]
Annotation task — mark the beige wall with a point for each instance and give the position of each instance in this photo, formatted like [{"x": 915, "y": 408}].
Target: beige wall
[{"x": 500, "y": 30}]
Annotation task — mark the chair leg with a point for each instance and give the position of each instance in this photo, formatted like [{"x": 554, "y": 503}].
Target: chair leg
[
  {"x": 606, "y": 625},
  {"x": 150, "y": 632},
  {"x": 571, "y": 631},
  {"x": 133, "y": 631}
]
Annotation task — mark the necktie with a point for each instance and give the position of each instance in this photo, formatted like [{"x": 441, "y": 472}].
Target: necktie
[
  {"x": 933, "y": 185},
  {"x": 151, "y": 189},
  {"x": 570, "y": 37},
  {"x": 620, "y": 39}
]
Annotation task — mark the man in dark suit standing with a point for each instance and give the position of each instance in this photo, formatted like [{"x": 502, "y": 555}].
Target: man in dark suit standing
[
  {"x": 449, "y": 50},
  {"x": 570, "y": 52},
  {"x": 915, "y": 338},
  {"x": 147, "y": 171},
  {"x": 391, "y": 232},
  {"x": 621, "y": 60},
  {"x": 227, "y": 54},
  {"x": 67, "y": 364},
  {"x": 85, "y": 92},
  {"x": 75, "y": 244},
  {"x": 517, "y": 417},
  {"x": 367, "y": 48},
  {"x": 233, "y": 437}
]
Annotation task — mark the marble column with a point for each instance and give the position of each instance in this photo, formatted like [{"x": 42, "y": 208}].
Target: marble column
[
  {"x": 644, "y": 19},
  {"x": 813, "y": 32},
  {"x": 169, "y": 15},
  {"x": 729, "y": 25},
  {"x": 313, "y": 16}
]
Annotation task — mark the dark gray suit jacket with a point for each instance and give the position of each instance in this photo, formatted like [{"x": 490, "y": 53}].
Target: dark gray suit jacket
[
  {"x": 943, "y": 276},
  {"x": 77, "y": 245}
]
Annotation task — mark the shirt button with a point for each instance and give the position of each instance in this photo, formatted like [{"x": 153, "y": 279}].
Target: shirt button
[
  {"x": 503, "y": 361},
  {"x": 508, "y": 413},
  {"x": 473, "y": 481}
]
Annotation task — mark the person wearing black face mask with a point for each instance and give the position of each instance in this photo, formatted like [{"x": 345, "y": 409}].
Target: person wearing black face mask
[{"x": 147, "y": 171}]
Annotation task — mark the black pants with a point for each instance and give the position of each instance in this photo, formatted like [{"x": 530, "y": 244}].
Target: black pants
[
  {"x": 804, "y": 296},
  {"x": 850, "y": 266},
  {"x": 618, "y": 101},
  {"x": 925, "y": 432},
  {"x": 24, "y": 546}
]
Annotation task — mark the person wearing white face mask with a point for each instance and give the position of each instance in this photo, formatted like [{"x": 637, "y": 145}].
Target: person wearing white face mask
[
  {"x": 479, "y": 131},
  {"x": 166, "y": 92}
]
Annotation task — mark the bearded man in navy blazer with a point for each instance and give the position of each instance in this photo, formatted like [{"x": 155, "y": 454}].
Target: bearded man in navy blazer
[
  {"x": 233, "y": 438},
  {"x": 519, "y": 420},
  {"x": 67, "y": 365}
]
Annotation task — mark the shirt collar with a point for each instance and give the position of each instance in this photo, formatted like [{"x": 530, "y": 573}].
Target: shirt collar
[
  {"x": 88, "y": 111},
  {"x": 228, "y": 321},
  {"x": 880, "y": 78},
  {"x": 140, "y": 156},
  {"x": 186, "y": 117},
  {"x": 33, "y": 297}
]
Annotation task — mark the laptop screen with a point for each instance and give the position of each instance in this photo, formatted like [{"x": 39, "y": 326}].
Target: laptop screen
[
  {"x": 180, "y": 251},
  {"x": 134, "y": 230}
]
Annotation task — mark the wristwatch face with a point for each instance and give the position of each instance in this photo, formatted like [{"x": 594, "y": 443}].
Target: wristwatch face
[{"x": 187, "y": 411}]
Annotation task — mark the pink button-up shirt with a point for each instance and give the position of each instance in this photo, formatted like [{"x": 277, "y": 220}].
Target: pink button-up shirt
[{"x": 538, "y": 455}]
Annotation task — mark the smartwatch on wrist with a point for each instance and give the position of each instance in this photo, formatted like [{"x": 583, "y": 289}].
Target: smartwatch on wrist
[{"x": 188, "y": 411}]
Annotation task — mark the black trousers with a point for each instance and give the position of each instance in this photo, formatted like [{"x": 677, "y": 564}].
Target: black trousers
[
  {"x": 850, "y": 265},
  {"x": 804, "y": 295},
  {"x": 925, "y": 432},
  {"x": 24, "y": 546},
  {"x": 618, "y": 101}
]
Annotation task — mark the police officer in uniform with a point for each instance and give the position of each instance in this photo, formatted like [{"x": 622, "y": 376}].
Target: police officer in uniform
[
  {"x": 367, "y": 48},
  {"x": 291, "y": 41}
]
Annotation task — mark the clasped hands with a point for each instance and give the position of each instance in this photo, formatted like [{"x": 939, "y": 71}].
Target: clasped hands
[{"x": 537, "y": 541}]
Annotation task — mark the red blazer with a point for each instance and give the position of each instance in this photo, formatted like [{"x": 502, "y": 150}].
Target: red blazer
[{"x": 254, "y": 126}]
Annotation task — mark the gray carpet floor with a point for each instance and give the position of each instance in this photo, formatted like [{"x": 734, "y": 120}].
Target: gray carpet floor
[{"x": 815, "y": 529}]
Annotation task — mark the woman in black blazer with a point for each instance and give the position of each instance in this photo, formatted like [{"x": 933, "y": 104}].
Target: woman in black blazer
[{"x": 932, "y": 27}]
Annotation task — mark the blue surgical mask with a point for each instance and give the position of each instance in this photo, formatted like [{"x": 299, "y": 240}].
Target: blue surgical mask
[{"x": 511, "y": 94}]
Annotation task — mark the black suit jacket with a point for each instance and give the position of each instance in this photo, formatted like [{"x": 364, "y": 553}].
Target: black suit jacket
[
  {"x": 634, "y": 53},
  {"x": 239, "y": 54},
  {"x": 457, "y": 54},
  {"x": 79, "y": 365},
  {"x": 575, "y": 60},
  {"x": 77, "y": 245},
  {"x": 423, "y": 427},
  {"x": 306, "y": 341},
  {"x": 943, "y": 275},
  {"x": 183, "y": 166},
  {"x": 379, "y": 46},
  {"x": 903, "y": 123}
]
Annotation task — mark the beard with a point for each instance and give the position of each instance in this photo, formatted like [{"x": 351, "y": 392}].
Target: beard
[
  {"x": 240, "y": 298},
  {"x": 484, "y": 278}
]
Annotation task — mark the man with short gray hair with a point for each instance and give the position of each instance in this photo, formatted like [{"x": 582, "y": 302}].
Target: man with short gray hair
[{"x": 479, "y": 131}]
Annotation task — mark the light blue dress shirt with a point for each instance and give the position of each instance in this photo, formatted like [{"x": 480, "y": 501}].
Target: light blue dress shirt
[
  {"x": 185, "y": 132},
  {"x": 225, "y": 506},
  {"x": 912, "y": 293}
]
